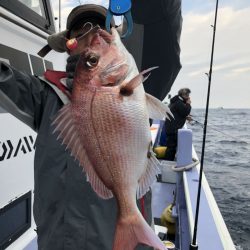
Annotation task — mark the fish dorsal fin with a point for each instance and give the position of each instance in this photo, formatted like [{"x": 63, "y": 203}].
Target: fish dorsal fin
[
  {"x": 67, "y": 131},
  {"x": 156, "y": 109},
  {"x": 149, "y": 176}
]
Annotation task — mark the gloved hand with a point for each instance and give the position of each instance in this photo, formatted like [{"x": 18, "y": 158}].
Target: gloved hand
[{"x": 70, "y": 69}]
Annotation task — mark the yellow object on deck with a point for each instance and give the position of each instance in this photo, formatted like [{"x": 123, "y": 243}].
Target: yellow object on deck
[
  {"x": 169, "y": 244},
  {"x": 168, "y": 220},
  {"x": 160, "y": 151}
]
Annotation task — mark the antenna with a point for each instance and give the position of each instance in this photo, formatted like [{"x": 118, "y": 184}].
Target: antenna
[
  {"x": 59, "y": 15},
  {"x": 193, "y": 245}
]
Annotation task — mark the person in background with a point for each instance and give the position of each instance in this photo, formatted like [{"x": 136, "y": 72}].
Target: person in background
[
  {"x": 180, "y": 106},
  {"x": 68, "y": 213}
]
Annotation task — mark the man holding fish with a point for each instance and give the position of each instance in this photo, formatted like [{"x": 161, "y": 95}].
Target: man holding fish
[{"x": 100, "y": 116}]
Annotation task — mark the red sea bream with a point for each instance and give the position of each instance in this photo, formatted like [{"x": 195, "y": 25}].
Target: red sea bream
[{"x": 106, "y": 127}]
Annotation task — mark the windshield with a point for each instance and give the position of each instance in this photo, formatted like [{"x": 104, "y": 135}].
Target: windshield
[{"x": 35, "y": 5}]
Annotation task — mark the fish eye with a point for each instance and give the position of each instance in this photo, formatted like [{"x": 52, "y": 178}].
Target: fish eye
[{"x": 91, "y": 61}]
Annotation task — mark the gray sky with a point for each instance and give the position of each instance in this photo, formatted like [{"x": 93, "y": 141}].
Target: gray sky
[{"x": 231, "y": 72}]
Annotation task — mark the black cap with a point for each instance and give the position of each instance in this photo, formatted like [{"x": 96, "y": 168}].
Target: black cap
[
  {"x": 87, "y": 12},
  {"x": 80, "y": 14}
]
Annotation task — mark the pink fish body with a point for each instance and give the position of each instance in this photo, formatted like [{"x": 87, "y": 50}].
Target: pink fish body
[{"x": 106, "y": 127}]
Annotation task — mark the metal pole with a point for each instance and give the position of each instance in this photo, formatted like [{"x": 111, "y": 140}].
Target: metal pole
[
  {"x": 193, "y": 245},
  {"x": 59, "y": 15}
]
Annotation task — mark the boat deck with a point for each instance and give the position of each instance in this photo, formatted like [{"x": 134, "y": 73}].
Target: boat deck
[{"x": 163, "y": 195}]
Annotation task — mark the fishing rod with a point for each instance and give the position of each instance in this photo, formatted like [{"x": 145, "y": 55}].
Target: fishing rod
[
  {"x": 213, "y": 127},
  {"x": 194, "y": 245},
  {"x": 60, "y": 19}
]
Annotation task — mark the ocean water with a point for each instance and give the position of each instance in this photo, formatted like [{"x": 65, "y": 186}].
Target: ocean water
[{"x": 227, "y": 166}]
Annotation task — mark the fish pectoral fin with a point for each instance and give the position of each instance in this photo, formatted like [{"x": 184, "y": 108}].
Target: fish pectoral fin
[
  {"x": 97, "y": 184},
  {"x": 127, "y": 88},
  {"x": 156, "y": 109},
  {"x": 149, "y": 176},
  {"x": 68, "y": 133}
]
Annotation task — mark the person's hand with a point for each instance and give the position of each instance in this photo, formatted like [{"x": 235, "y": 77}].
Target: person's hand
[
  {"x": 189, "y": 118},
  {"x": 188, "y": 100}
]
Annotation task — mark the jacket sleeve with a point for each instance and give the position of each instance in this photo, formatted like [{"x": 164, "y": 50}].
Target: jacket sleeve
[
  {"x": 22, "y": 95},
  {"x": 183, "y": 109}
]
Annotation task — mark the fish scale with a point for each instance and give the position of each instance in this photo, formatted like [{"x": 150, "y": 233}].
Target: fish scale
[{"x": 98, "y": 138}]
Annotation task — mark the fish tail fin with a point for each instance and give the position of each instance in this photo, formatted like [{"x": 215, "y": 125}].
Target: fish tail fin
[{"x": 131, "y": 231}]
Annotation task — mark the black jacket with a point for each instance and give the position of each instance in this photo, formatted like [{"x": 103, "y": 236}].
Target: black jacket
[{"x": 180, "y": 110}]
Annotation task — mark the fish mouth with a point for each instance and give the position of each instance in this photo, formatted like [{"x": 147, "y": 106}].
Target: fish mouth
[
  {"x": 101, "y": 37},
  {"x": 114, "y": 74},
  {"x": 106, "y": 35},
  {"x": 113, "y": 67}
]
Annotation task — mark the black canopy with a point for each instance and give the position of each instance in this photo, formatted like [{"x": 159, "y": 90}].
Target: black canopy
[{"x": 155, "y": 42}]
